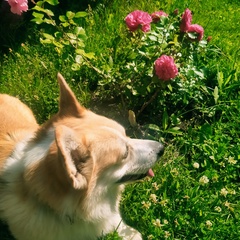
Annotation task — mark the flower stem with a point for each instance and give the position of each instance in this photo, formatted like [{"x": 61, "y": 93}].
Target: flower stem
[{"x": 149, "y": 101}]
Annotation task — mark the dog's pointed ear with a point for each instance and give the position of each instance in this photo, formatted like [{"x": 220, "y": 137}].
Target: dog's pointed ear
[
  {"x": 67, "y": 144},
  {"x": 68, "y": 103}
]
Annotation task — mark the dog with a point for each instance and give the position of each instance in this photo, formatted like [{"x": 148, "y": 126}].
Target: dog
[{"x": 64, "y": 179}]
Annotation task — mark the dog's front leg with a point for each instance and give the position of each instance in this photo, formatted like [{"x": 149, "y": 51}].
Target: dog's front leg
[{"x": 128, "y": 233}]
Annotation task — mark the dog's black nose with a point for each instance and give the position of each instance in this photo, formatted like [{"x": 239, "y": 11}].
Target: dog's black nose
[
  {"x": 157, "y": 147},
  {"x": 161, "y": 150}
]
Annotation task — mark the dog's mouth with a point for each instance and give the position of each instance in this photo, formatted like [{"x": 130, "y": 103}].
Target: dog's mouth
[{"x": 135, "y": 177}]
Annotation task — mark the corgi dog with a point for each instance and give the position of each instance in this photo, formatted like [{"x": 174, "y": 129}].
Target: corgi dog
[{"x": 64, "y": 179}]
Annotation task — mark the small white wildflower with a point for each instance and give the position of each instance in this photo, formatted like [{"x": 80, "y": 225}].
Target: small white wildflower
[
  {"x": 153, "y": 198},
  {"x": 224, "y": 192},
  {"x": 222, "y": 164},
  {"x": 165, "y": 221},
  {"x": 204, "y": 180},
  {"x": 209, "y": 224},
  {"x": 174, "y": 171},
  {"x": 157, "y": 223},
  {"x": 163, "y": 202},
  {"x": 155, "y": 185},
  {"x": 167, "y": 234},
  {"x": 196, "y": 165},
  {"x": 231, "y": 160},
  {"x": 218, "y": 209},
  {"x": 233, "y": 192},
  {"x": 229, "y": 206},
  {"x": 176, "y": 222},
  {"x": 150, "y": 237},
  {"x": 146, "y": 204}
]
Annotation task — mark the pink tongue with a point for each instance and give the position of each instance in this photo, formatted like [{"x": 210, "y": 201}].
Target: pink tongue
[{"x": 150, "y": 173}]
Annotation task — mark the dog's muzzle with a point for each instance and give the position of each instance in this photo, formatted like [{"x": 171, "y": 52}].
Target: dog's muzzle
[{"x": 158, "y": 150}]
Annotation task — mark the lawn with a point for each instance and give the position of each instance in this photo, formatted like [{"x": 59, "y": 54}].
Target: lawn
[{"x": 195, "y": 193}]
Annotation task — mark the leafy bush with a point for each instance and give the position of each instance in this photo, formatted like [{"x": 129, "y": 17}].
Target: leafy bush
[{"x": 127, "y": 72}]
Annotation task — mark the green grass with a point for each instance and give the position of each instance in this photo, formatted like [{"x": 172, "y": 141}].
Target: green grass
[{"x": 176, "y": 203}]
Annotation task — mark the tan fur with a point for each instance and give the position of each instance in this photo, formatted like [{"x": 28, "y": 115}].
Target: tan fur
[
  {"x": 63, "y": 180},
  {"x": 16, "y": 122}
]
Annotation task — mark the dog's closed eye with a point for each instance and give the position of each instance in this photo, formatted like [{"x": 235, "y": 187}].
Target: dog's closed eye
[{"x": 126, "y": 152}]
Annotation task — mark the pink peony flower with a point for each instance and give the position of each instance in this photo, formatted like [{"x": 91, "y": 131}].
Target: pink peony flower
[
  {"x": 186, "y": 20},
  {"x": 138, "y": 18},
  {"x": 18, "y": 6},
  {"x": 197, "y": 29},
  {"x": 156, "y": 15},
  {"x": 165, "y": 68}
]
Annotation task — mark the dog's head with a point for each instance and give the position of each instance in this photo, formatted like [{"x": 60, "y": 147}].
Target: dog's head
[{"x": 78, "y": 150}]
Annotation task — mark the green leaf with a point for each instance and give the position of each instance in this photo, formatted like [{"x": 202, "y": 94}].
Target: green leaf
[
  {"x": 75, "y": 67},
  {"x": 37, "y": 20},
  {"x": 40, "y": 9},
  {"x": 46, "y": 41},
  {"x": 62, "y": 18},
  {"x": 165, "y": 120},
  {"x": 52, "y": 2},
  {"x": 153, "y": 38},
  {"x": 72, "y": 36},
  {"x": 58, "y": 44},
  {"x": 80, "y": 51},
  {"x": 79, "y": 31},
  {"x": 174, "y": 131},
  {"x": 49, "y": 21},
  {"x": 80, "y": 14},
  {"x": 70, "y": 14},
  {"x": 49, "y": 12},
  {"x": 153, "y": 127},
  {"x": 38, "y": 15},
  {"x": 220, "y": 79},
  {"x": 89, "y": 55},
  {"x": 215, "y": 94},
  {"x": 66, "y": 24},
  {"x": 48, "y": 36},
  {"x": 39, "y": 3}
]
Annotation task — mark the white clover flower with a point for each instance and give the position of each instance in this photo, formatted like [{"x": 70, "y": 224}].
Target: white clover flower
[
  {"x": 153, "y": 198},
  {"x": 165, "y": 221},
  {"x": 155, "y": 185},
  {"x": 157, "y": 223},
  {"x": 146, "y": 204},
  {"x": 174, "y": 171},
  {"x": 196, "y": 165},
  {"x": 231, "y": 160},
  {"x": 167, "y": 234},
  {"x": 209, "y": 224},
  {"x": 150, "y": 237},
  {"x": 227, "y": 204},
  {"x": 204, "y": 180},
  {"x": 224, "y": 192},
  {"x": 176, "y": 222},
  {"x": 233, "y": 192},
  {"x": 218, "y": 209},
  {"x": 163, "y": 202}
]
